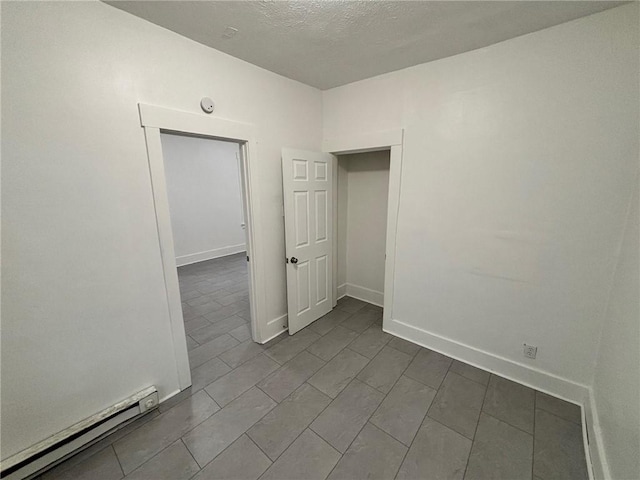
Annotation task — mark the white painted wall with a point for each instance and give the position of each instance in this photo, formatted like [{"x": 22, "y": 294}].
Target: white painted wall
[
  {"x": 205, "y": 200},
  {"x": 518, "y": 163},
  {"x": 362, "y": 198},
  {"x": 616, "y": 385},
  {"x": 84, "y": 312}
]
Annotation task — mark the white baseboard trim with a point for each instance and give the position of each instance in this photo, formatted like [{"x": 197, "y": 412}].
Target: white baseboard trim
[
  {"x": 275, "y": 327},
  {"x": 532, "y": 377},
  {"x": 342, "y": 290},
  {"x": 594, "y": 446},
  {"x": 281, "y": 318},
  {"x": 554, "y": 385},
  {"x": 169, "y": 396},
  {"x": 362, "y": 293},
  {"x": 183, "y": 260}
]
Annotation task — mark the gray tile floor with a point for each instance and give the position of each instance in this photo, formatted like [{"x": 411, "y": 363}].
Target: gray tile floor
[{"x": 341, "y": 399}]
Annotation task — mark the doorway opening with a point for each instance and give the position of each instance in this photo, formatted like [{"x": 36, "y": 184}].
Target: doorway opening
[
  {"x": 204, "y": 189},
  {"x": 155, "y": 122},
  {"x": 349, "y": 250},
  {"x": 361, "y": 225}
]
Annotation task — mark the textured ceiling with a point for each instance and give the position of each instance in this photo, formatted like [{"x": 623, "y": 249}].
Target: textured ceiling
[{"x": 330, "y": 43}]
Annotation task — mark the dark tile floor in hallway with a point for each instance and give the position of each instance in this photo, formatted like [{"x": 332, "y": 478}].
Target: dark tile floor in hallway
[{"x": 341, "y": 399}]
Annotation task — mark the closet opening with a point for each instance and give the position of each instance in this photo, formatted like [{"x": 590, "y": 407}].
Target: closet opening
[{"x": 360, "y": 224}]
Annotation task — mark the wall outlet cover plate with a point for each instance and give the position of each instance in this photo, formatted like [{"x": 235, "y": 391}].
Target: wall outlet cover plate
[
  {"x": 530, "y": 351},
  {"x": 149, "y": 402}
]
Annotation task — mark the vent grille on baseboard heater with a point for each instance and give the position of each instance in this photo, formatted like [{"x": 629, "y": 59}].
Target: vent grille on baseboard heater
[{"x": 61, "y": 445}]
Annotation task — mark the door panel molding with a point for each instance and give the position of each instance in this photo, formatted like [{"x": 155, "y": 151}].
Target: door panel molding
[{"x": 307, "y": 190}]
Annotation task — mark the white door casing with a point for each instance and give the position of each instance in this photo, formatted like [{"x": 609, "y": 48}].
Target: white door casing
[
  {"x": 307, "y": 180},
  {"x": 371, "y": 142},
  {"x": 154, "y": 119}
]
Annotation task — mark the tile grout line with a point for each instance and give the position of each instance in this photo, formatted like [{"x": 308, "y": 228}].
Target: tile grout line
[
  {"x": 506, "y": 423},
  {"x": 117, "y": 458},
  {"x": 354, "y": 438},
  {"x": 552, "y": 413},
  {"x": 243, "y": 433},
  {"x": 277, "y": 403},
  {"x": 479, "y": 411},
  {"x": 398, "y": 350},
  {"x": 475, "y": 432},
  {"x": 425, "y": 413},
  {"x": 191, "y": 455},
  {"x": 245, "y": 361},
  {"x": 161, "y": 414},
  {"x": 282, "y": 366},
  {"x": 245, "y": 391},
  {"x": 229, "y": 446},
  {"x": 445, "y": 426},
  {"x": 213, "y": 400},
  {"x": 464, "y": 376},
  {"x": 308, "y": 427},
  {"x": 314, "y": 356},
  {"x": 253, "y": 441},
  {"x": 369, "y": 417},
  {"x": 218, "y": 357},
  {"x": 147, "y": 460}
]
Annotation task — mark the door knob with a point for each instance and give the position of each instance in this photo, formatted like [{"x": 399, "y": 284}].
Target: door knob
[{"x": 294, "y": 260}]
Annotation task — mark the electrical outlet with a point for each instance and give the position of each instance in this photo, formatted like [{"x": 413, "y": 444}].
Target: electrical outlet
[
  {"x": 149, "y": 402},
  {"x": 530, "y": 351}
]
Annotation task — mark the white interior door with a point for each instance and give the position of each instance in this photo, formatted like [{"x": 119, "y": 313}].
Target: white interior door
[{"x": 307, "y": 179}]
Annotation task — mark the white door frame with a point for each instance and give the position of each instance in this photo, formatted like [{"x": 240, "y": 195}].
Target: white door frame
[
  {"x": 153, "y": 119},
  {"x": 370, "y": 142}
]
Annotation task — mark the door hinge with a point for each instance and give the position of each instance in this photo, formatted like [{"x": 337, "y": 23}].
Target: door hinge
[{"x": 247, "y": 258}]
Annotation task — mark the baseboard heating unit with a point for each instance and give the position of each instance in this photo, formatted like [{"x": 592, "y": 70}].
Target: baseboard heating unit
[{"x": 58, "y": 446}]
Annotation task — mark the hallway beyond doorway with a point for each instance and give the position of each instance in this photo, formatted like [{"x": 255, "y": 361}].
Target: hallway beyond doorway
[{"x": 215, "y": 300}]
